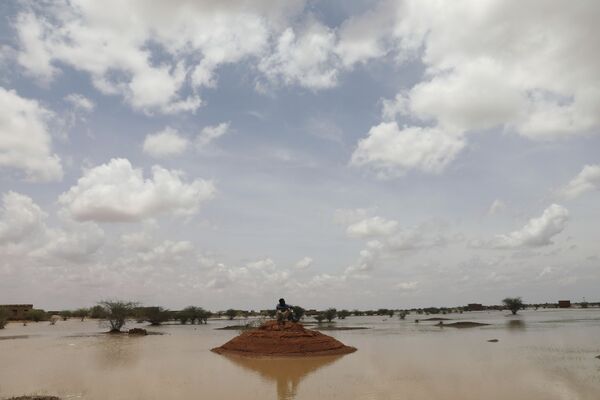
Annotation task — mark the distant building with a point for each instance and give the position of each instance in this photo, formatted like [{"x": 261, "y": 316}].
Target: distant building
[
  {"x": 17, "y": 311},
  {"x": 475, "y": 307},
  {"x": 564, "y": 304}
]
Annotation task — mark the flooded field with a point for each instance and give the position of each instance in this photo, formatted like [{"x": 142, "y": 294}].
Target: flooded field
[{"x": 539, "y": 355}]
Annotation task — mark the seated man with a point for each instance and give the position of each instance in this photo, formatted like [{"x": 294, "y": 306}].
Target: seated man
[{"x": 283, "y": 312}]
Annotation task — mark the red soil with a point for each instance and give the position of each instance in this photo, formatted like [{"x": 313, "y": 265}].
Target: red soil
[{"x": 291, "y": 339}]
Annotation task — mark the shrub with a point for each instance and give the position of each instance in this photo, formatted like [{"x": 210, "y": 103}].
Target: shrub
[
  {"x": 298, "y": 312},
  {"x": 402, "y": 314},
  {"x": 330, "y": 314},
  {"x": 36, "y": 315},
  {"x": 514, "y": 304},
  {"x": 116, "y": 312}
]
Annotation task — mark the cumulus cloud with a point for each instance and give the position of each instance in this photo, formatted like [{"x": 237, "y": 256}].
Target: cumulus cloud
[
  {"x": 159, "y": 56},
  {"x": 25, "y": 143},
  {"x": 587, "y": 180},
  {"x": 166, "y": 143},
  {"x": 20, "y": 218},
  {"x": 304, "y": 263},
  {"x": 210, "y": 133},
  {"x": 392, "y": 151},
  {"x": 305, "y": 58},
  {"x": 371, "y": 227},
  {"x": 534, "y": 78},
  {"x": 537, "y": 232},
  {"x": 117, "y": 192}
]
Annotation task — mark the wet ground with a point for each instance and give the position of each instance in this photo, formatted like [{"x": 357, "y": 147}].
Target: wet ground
[{"x": 539, "y": 355}]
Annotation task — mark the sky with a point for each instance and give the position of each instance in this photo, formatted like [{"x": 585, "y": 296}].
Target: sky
[{"x": 340, "y": 154}]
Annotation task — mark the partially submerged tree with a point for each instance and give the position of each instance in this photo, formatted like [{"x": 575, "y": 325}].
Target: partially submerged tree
[
  {"x": 342, "y": 314},
  {"x": 116, "y": 312},
  {"x": 65, "y": 314},
  {"x": 402, "y": 314},
  {"x": 231, "y": 313},
  {"x": 298, "y": 312},
  {"x": 330, "y": 314},
  {"x": 81, "y": 313},
  {"x": 97, "y": 312},
  {"x": 319, "y": 317},
  {"x": 156, "y": 315},
  {"x": 514, "y": 304}
]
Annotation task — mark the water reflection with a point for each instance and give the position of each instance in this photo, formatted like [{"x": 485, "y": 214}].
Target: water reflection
[
  {"x": 516, "y": 325},
  {"x": 286, "y": 372},
  {"x": 117, "y": 350}
]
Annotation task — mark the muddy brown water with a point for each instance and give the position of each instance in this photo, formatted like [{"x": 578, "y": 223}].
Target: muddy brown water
[{"x": 540, "y": 355}]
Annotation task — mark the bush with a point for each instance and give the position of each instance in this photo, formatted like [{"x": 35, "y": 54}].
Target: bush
[
  {"x": 3, "y": 318},
  {"x": 514, "y": 304},
  {"x": 36, "y": 315},
  {"x": 116, "y": 312},
  {"x": 298, "y": 312},
  {"x": 330, "y": 314}
]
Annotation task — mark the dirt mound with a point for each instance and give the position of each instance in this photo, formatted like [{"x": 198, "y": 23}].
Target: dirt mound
[{"x": 291, "y": 339}]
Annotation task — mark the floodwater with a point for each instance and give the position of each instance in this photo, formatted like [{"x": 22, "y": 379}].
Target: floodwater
[{"x": 540, "y": 355}]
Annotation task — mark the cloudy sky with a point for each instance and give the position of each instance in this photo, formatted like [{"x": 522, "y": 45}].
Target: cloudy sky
[{"x": 349, "y": 154}]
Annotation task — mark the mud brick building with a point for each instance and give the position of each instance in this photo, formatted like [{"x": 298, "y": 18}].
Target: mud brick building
[{"x": 17, "y": 311}]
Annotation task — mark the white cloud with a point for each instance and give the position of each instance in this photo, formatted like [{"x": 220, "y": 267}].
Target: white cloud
[
  {"x": 20, "y": 218},
  {"x": 150, "y": 54},
  {"x": 25, "y": 143},
  {"x": 392, "y": 151},
  {"x": 371, "y": 227},
  {"x": 166, "y": 143},
  {"x": 210, "y": 133},
  {"x": 538, "y": 76},
  {"x": 304, "y": 263},
  {"x": 587, "y": 180},
  {"x": 116, "y": 192},
  {"x": 304, "y": 58},
  {"x": 537, "y": 232},
  {"x": 347, "y": 216},
  {"x": 80, "y": 102}
]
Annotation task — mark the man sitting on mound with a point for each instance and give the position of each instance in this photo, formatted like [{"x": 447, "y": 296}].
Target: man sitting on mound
[{"x": 284, "y": 312}]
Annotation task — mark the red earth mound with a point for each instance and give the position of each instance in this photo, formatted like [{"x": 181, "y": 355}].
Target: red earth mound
[{"x": 289, "y": 340}]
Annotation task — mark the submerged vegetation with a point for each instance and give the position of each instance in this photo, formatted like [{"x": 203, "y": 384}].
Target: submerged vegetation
[{"x": 514, "y": 304}]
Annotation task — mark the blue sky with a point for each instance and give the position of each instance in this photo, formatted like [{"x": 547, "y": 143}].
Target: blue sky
[{"x": 370, "y": 154}]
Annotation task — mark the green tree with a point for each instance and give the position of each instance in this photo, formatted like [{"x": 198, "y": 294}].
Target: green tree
[
  {"x": 342, "y": 314},
  {"x": 81, "y": 313},
  {"x": 116, "y": 312},
  {"x": 97, "y": 312},
  {"x": 65, "y": 314},
  {"x": 231, "y": 313},
  {"x": 330, "y": 314},
  {"x": 156, "y": 315},
  {"x": 402, "y": 314},
  {"x": 514, "y": 304},
  {"x": 298, "y": 312},
  {"x": 319, "y": 317}
]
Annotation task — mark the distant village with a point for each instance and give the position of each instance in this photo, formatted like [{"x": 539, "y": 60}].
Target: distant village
[{"x": 25, "y": 312}]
